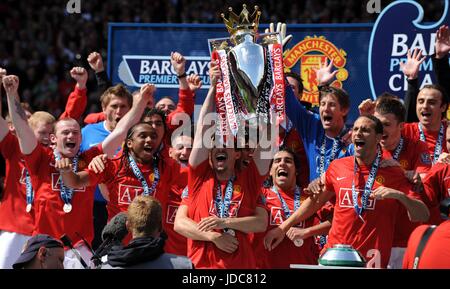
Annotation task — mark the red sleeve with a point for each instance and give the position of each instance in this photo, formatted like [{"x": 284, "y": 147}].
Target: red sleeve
[
  {"x": 329, "y": 178},
  {"x": 261, "y": 202},
  {"x": 92, "y": 152},
  {"x": 197, "y": 176},
  {"x": 9, "y": 145},
  {"x": 94, "y": 118},
  {"x": 37, "y": 158},
  {"x": 432, "y": 186},
  {"x": 76, "y": 104},
  {"x": 423, "y": 160},
  {"x": 185, "y": 200},
  {"x": 403, "y": 184},
  {"x": 326, "y": 212},
  {"x": 104, "y": 177},
  {"x": 185, "y": 105},
  {"x": 95, "y": 178},
  {"x": 178, "y": 178}
]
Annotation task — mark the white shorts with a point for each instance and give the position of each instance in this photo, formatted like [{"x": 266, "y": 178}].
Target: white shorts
[
  {"x": 11, "y": 245},
  {"x": 396, "y": 259},
  {"x": 72, "y": 262}
]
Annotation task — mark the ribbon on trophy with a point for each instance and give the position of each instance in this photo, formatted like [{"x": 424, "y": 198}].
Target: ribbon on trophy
[
  {"x": 224, "y": 101},
  {"x": 277, "y": 96}
]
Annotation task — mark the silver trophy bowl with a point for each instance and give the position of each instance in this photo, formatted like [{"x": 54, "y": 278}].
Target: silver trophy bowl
[{"x": 342, "y": 255}]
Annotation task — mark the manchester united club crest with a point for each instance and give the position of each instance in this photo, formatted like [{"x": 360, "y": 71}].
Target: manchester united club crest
[
  {"x": 309, "y": 54},
  {"x": 380, "y": 180}
]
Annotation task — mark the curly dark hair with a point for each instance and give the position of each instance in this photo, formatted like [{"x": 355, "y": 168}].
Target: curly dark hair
[{"x": 126, "y": 151}]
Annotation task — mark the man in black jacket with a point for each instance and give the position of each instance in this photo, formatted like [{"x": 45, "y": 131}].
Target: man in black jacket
[{"x": 146, "y": 249}]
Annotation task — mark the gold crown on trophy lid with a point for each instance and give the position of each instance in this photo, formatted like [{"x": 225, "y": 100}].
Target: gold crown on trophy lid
[{"x": 242, "y": 21}]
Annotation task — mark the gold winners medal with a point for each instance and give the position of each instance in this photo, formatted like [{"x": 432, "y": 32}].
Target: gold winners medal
[
  {"x": 28, "y": 209},
  {"x": 298, "y": 242},
  {"x": 67, "y": 208},
  {"x": 230, "y": 232}
]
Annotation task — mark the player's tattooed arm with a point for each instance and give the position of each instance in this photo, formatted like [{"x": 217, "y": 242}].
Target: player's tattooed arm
[{"x": 25, "y": 134}]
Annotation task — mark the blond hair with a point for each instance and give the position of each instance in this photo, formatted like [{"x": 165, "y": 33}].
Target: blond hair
[
  {"x": 118, "y": 91},
  {"x": 41, "y": 117}
]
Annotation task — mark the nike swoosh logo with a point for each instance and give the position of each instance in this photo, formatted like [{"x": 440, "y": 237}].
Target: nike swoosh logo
[
  {"x": 271, "y": 198},
  {"x": 446, "y": 178},
  {"x": 340, "y": 178}
]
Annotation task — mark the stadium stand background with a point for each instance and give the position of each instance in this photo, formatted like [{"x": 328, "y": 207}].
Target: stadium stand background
[{"x": 40, "y": 41}]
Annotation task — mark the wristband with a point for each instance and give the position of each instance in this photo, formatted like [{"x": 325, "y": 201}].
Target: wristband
[{"x": 182, "y": 76}]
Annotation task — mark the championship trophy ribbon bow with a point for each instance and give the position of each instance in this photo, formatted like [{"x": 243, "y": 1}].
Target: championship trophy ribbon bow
[{"x": 252, "y": 84}]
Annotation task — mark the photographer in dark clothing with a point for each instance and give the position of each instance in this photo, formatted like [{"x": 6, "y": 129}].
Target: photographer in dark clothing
[{"x": 146, "y": 249}]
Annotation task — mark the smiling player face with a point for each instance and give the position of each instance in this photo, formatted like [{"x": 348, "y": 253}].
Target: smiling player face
[{"x": 68, "y": 137}]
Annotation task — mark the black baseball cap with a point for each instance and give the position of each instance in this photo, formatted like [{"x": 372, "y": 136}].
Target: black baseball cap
[{"x": 32, "y": 246}]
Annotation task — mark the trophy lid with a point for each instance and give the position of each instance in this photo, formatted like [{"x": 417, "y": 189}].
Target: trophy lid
[
  {"x": 243, "y": 21},
  {"x": 342, "y": 255}
]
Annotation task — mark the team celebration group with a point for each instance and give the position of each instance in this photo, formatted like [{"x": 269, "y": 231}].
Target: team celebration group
[{"x": 191, "y": 202}]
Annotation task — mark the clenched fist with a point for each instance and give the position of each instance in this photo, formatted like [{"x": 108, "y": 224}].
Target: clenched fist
[
  {"x": 145, "y": 96},
  {"x": 194, "y": 82},
  {"x": 80, "y": 75},
  {"x": 11, "y": 84},
  {"x": 63, "y": 165},
  {"x": 178, "y": 62},
  {"x": 95, "y": 62}
]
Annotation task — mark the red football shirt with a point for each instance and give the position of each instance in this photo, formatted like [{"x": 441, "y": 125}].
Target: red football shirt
[
  {"x": 246, "y": 197},
  {"x": 49, "y": 215},
  {"x": 286, "y": 252},
  {"x": 175, "y": 243},
  {"x": 373, "y": 237},
  {"x": 123, "y": 185},
  {"x": 437, "y": 188},
  {"x": 436, "y": 253},
  {"x": 411, "y": 131},
  {"x": 414, "y": 156},
  {"x": 13, "y": 217}
]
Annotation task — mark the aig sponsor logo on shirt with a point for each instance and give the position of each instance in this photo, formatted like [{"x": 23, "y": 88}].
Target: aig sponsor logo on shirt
[
  {"x": 345, "y": 199},
  {"x": 277, "y": 217},
  {"x": 171, "y": 213},
  {"x": 232, "y": 211},
  {"x": 56, "y": 184},
  {"x": 127, "y": 193}
]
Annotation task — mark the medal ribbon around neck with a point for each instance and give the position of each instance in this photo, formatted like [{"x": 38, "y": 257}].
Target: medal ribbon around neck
[
  {"x": 67, "y": 193},
  {"x": 287, "y": 212},
  {"x": 398, "y": 149},
  {"x": 223, "y": 204},
  {"x": 138, "y": 174},
  {"x": 438, "y": 146},
  {"x": 323, "y": 159},
  {"x": 29, "y": 191},
  {"x": 367, "y": 188}
]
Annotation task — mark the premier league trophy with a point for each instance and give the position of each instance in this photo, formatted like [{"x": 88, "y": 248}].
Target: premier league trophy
[{"x": 252, "y": 84}]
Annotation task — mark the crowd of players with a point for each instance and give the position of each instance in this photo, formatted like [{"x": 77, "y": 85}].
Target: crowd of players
[{"x": 369, "y": 186}]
